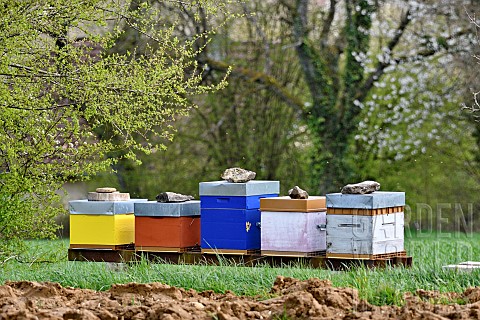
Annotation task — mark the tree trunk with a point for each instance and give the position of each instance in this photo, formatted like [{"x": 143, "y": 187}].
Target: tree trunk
[{"x": 332, "y": 119}]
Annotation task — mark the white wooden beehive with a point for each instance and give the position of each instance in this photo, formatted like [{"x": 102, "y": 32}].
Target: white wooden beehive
[{"x": 365, "y": 226}]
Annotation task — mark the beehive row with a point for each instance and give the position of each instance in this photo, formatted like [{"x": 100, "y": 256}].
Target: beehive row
[{"x": 241, "y": 218}]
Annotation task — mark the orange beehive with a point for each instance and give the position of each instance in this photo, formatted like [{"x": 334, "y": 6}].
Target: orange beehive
[
  {"x": 167, "y": 226},
  {"x": 166, "y": 232}
]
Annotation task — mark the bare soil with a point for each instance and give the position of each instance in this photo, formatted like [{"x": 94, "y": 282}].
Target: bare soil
[{"x": 292, "y": 299}]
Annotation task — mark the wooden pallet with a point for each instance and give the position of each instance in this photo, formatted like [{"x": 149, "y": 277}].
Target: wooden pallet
[
  {"x": 366, "y": 256},
  {"x": 247, "y": 260},
  {"x": 293, "y": 254},
  {"x": 230, "y": 251},
  {"x": 365, "y": 212},
  {"x": 129, "y": 246}
]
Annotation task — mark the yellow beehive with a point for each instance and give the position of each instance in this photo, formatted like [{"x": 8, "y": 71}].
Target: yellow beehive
[{"x": 89, "y": 230}]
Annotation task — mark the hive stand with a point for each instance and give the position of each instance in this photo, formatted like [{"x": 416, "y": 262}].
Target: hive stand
[{"x": 249, "y": 260}]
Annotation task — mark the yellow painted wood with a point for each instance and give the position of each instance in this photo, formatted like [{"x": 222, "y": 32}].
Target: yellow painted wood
[{"x": 102, "y": 229}]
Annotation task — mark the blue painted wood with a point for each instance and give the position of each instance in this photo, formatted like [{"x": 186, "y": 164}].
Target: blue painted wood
[
  {"x": 233, "y": 202},
  {"x": 230, "y": 229}
]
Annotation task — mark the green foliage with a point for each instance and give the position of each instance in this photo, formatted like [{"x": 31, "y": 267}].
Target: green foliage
[
  {"x": 69, "y": 109},
  {"x": 404, "y": 128},
  {"x": 243, "y": 125},
  {"x": 387, "y": 295},
  {"x": 23, "y": 219}
]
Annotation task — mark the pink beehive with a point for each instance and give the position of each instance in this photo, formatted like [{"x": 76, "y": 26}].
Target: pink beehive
[{"x": 293, "y": 233}]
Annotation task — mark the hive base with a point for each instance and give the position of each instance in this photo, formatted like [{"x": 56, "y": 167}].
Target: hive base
[
  {"x": 248, "y": 260},
  {"x": 366, "y": 256},
  {"x": 293, "y": 253},
  {"x": 230, "y": 251},
  {"x": 129, "y": 246},
  {"x": 168, "y": 249}
]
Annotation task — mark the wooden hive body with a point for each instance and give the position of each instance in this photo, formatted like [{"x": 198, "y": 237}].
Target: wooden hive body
[
  {"x": 230, "y": 229},
  {"x": 365, "y": 235},
  {"x": 156, "y": 233},
  {"x": 365, "y": 226},
  {"x": 167, "y": 226},
  {"x": 293, "y": 231},
  {"x": 295, "y": 226},
  {"x": 101, "y": 230},
  {"x": 234, "y": 202},
  {"x": 102, "y": 224}
]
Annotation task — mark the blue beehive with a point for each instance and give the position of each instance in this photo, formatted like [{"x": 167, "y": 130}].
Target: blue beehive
[{"x": 231, "y": 213}]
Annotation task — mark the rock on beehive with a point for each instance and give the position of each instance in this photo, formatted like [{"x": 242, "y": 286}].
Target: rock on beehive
[
  {"x": 297, "y": 193},
  {"x": 238, "y": 175},
  {"x": 107, "y": 194},
  {"x": 364, "y": 187},
  {"x": 106, "y": 190},
  {"x": 173, "y": 197}
]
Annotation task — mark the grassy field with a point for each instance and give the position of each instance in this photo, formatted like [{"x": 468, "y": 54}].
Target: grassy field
[{"x": 47, "y": 261}]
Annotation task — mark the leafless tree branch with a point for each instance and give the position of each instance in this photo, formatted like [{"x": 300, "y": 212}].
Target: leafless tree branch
[
  {"x": 327, "y": 23},
  {"x": 381, "y": 65},
  {"x": 266, "y": 44}
]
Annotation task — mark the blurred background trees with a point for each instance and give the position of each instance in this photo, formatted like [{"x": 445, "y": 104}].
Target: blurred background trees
[{"x": 321, "y": 93}]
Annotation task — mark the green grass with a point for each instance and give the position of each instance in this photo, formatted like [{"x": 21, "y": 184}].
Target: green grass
[{"x": 47, "y": 261}]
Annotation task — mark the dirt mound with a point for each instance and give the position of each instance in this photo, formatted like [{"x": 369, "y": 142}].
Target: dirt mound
[{"x": 292, "y": 299}]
